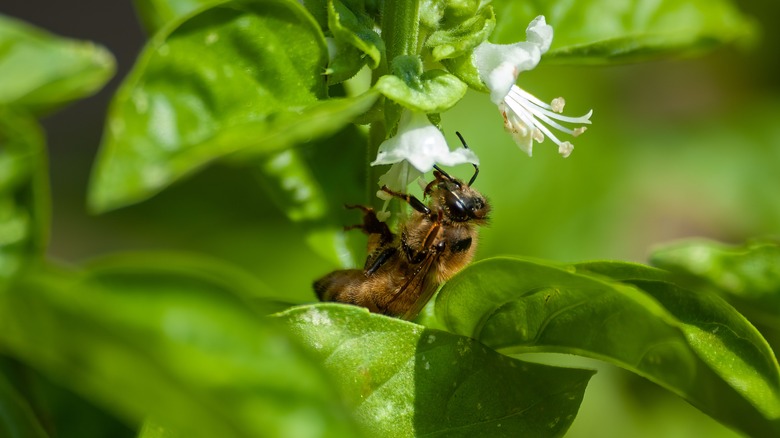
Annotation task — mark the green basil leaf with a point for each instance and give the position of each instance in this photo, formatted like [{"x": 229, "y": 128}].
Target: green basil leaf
[
  {"x": 318, "y": 10},
  {"x": 237, "y": 281},
  {"x": 24, "y": 192},
  {"x": 463, "y": 67},
  {"x": 693, "y": 344},
  {"x": 17, "y": 419},
  {"x": 181, "y": 348},
  {"x": 318, "y": 120},
  {"x": 604, "y": 31},
  {"x": 40, "y": 72},
  {"x": 461, "y": 39},
  {"x": 356, "y": 29},
  {"x": 403, "y": 380},
  {"x": 153, "y": 429},
  {"x": 446, "y": 13},
  {"x": 239, "y": 76},
  {"x": 345, "y": 62},
  {"x": 748, "y": 275},
  {"x": 432, "y": 13},
  {"x": 430, "y": 92},
  {"x": 312, "y": 184},
  {"x": 155, "y": 14}
]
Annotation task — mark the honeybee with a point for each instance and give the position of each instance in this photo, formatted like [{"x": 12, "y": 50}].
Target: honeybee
[{"x": 402, "y": 271}]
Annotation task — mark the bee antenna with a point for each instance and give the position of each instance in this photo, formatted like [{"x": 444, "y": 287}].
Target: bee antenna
[
  {"x": 445, "y": 174},
  {"x": 476, "y": 168}
]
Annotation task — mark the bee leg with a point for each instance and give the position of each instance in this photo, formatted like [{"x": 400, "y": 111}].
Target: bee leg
[
  {"x": 379, "y": 239},
  {"x": 411, "y": 200},
  {"x": 414, "y": 256},
  {"x": 373, "y": 265},
  {"x": 372, "y": 225}
]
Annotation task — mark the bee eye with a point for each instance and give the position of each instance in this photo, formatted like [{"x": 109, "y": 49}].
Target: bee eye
[{"x": 457, "y": 207}]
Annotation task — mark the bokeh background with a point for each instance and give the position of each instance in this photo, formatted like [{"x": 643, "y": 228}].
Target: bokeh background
[{"x": 678, "y": 148}]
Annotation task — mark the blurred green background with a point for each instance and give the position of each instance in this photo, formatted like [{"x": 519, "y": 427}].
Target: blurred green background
[{"x": 678, "y": 148}]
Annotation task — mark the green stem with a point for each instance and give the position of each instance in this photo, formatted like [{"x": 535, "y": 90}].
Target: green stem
[
  {"x": 400, "y": 31},
  {"x": 400, "y": 28}
]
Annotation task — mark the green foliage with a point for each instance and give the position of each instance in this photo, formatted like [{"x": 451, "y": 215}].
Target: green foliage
[
  {"x": 17, "y": 419},
  {"x": 461, "y": 38},
  {"x": 429, "y": 92},
  {"x": 155, "y": 14},
  {"x": 605, "y": 31},
  {"x": 40, "y": 72},
  {"x": 691, "y": 343},
  {"x": 355, "y": 28},
  {"x": 197, "y": 94},
  {"x": 173, "y": 344},
  {"x": 150, "y": 429},
  {"x": 748, "y": 275},
  {"x": 404, "y": 380},
  {"x": 170, "y": 344},
  {"x": 24, "y": 209}
]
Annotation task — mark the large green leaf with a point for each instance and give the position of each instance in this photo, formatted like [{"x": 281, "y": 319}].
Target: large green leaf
[
  {"x": 404, "y": 380},
  {"x": 155, "y": 14},
  {"x": 312, "y": 184},
  {"x": 180, "y": 348},
  {"x": 24, "y": 193},
  {"x": 17, "y": 419},
  {"x": 693, "y": 344},
  {"x": 40, "y": 71},
  {"x": 598, "y": 31},
  {"x": 748, "y": 275},
  {"x": 242, "y": 75},
  {"x": 185, "y": 266}
]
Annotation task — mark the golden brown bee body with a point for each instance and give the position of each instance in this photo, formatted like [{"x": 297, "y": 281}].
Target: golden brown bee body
[{"x": 403, "y": 271}]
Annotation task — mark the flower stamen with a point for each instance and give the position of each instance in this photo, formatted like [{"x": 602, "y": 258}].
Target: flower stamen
[{"x": 528, "y": 119}]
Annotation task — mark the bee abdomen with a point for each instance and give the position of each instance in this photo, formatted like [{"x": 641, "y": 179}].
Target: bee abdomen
[{"x": 333, "y": 286}]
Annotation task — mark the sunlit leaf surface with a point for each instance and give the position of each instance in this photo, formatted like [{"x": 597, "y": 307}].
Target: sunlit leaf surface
[
  {"x": 40, "y": 72},
  {"x": 240, "y": 76},
  {"x": 404, "y": 380},
  {"x": 693, "y": 344}
]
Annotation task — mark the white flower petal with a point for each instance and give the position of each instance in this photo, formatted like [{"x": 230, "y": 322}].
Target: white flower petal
[
  {"x": 398, "y": 178},
  {"x": 540, "y": 33},
  {"x": 420, "y": 144},
  {"x": 526, "y": 117},
  {"x": 499, "y": 65}
]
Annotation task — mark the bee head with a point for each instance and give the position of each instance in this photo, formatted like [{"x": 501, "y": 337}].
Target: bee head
[{"x": 461, "y": 203}]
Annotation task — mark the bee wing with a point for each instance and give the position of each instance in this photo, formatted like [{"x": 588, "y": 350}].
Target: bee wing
[{"x": 421, "y": 280}]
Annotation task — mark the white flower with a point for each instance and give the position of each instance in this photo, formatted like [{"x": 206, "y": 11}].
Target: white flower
[
  {"x": 526, "y": 117},
  {"x": 399, "y": 176},
  {"x": 415, "y": 149},
  {"x": 500, "y": 64}
]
